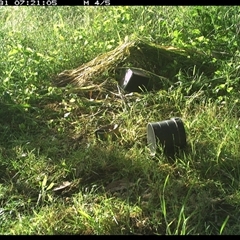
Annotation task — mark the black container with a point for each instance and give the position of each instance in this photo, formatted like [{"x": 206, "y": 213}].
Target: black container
[
  {"x": 170, "y": 134},
  {"x": 135, "y": 80}
]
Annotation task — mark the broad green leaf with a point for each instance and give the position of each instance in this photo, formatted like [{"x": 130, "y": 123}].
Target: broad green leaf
[{"x": 13, "y": 51}]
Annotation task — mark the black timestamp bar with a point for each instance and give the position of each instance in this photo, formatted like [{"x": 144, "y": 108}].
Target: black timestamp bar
[{"x": 28, "y": 3}]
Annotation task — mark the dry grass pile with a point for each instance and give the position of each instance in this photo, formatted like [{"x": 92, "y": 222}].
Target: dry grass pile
[
  {"x": 162, "y": 62},
  {"x": 90, "y": 73}
]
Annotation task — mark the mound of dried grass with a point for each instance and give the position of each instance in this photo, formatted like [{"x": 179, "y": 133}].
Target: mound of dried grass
[
  {"x": 88, "y": 73},
  {"x": 164, "y": 62}
]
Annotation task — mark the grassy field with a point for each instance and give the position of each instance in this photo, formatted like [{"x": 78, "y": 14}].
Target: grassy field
[{"x": 56, "y": 178}]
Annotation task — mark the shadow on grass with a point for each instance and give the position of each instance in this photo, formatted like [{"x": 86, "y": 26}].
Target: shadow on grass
[
  {"x": 32, "y": 149},
  {"x": 217, "y": 188}
]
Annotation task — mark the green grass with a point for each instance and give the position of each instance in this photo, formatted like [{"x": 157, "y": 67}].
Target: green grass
[{"x": 47, "y": 136}]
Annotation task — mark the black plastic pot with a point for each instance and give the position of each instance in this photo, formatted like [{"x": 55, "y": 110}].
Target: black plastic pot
[
  {"x": 134, "y": 80},
  {"x": 169, "y": 134}
]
